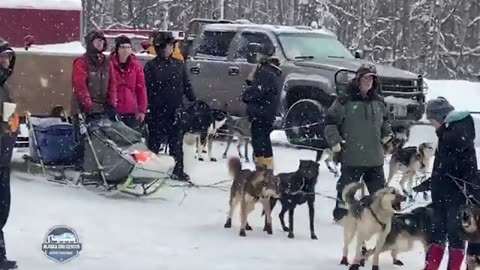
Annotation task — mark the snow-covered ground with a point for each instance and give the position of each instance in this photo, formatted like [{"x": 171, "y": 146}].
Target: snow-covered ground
[{"x": 160, "y": 233}]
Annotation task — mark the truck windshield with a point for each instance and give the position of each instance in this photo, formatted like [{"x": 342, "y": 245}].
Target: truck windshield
[{"x": 312, "y": 45}]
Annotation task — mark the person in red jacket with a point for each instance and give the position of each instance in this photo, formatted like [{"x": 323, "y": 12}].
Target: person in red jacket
[
  {"x": 94, "y": 88},
  {"x": 93, "y": 80},
  {"x": 131, "y": 89}
]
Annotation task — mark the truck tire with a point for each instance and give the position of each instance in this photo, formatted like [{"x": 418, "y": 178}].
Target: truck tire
[{"x": 304, "y": 124}]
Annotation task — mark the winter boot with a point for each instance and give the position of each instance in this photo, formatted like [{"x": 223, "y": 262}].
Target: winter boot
[
  {"x": 178, "y": 173},
  {"x": 455, "y": 258},
  {"x": 340, "y": 210},
  {"x": 5, "y": 264},
  {"x": 435, "y": 256},
  {"x": 259, "y": 161},
  {"x": 268, "y": 162}
]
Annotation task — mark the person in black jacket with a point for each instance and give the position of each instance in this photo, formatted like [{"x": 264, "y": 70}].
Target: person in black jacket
[
  {"x": 167, "y": 83},
  {"x": 7, "y": 142},
  {"x": 261, "y": 98},
  {"x": 455, "y": 166}
]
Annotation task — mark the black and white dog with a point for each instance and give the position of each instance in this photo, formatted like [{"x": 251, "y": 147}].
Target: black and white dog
[
  {"x": 408, "y": 161},
  {"x": 199, "y": 123}
]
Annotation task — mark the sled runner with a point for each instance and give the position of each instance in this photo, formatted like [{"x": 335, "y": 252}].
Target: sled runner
[{"x": 114, "y": 155}]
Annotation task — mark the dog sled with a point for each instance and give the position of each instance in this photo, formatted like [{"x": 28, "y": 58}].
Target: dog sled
[{"x": 115, "y": 157}]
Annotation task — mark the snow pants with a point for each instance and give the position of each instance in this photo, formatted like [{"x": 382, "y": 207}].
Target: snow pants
[
  {"x": 261, "y": 143},
  {"x": 445, "y": 224},
  {"x": 5, "y": 199},
  {"x": 161, "y": 130},
  {"x": 373, "y": 177}
]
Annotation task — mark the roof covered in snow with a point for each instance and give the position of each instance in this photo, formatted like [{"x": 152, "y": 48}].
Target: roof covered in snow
[
  {"x": 277, "y": 29},
  {"x": 42, "y": 4}
]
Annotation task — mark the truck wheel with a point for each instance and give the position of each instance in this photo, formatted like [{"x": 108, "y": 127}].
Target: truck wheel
[{"x": 304, "y": 124}]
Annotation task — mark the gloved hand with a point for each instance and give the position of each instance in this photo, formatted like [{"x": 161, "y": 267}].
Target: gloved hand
[
  {"x": 111, "y": 112},
  {"x": 337, "y": 148},
  {"x": 387, "y": 138}
]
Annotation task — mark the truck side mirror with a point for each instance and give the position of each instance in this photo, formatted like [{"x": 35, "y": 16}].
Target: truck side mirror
[
  {"x": 252, "y": 50},
  {"x": 358, "y": 54}
]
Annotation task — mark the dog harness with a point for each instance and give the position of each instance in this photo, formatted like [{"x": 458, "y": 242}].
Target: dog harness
[{"x": 383, "y": 225}]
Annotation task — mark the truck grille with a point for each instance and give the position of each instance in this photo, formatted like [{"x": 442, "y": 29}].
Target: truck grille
[{"x": 397, "y": 85}]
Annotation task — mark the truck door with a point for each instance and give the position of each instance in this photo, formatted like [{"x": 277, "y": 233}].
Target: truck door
[
  {"x": 239, "y": 68},
  {"x": 208, "y": 59}
]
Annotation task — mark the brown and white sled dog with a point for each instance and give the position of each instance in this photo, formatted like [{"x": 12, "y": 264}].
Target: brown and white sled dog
[
  {"x": 248, "y": 188},
  {"x": 408, "y": 161},
  {"x": 407, "y": 229},
  {"x": 366, "y": 218},
  {"x": 471, "y": 232}
]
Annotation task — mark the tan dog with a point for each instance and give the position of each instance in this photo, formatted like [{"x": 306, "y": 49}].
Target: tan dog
[
  {"x": 372, "y": 215},
  {"x": 409, "y": 161},
  {"x": 248, "y": 188},
  {"x": 471, "y": 232}
]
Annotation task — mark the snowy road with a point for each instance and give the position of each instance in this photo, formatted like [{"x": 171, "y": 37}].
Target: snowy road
[{"x": 161, "y": 234}]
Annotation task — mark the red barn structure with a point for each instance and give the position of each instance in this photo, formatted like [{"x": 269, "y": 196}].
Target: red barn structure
[{"x": 40, "y": 21}]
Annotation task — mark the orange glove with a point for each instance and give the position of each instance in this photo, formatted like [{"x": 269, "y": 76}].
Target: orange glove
[{"x": 14, "y": 122}]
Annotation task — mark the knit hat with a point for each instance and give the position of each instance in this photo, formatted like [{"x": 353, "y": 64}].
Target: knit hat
[
  {"x": 91, "y": 36},
  {"x": 366, "y": 70},
  {"x": 120, "y": 40},
  {"x": 438, "y": 109}
]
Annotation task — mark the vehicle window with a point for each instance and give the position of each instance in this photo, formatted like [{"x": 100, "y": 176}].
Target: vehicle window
[
  {"x": 248, "y": 38},
  {"x": 214, "y": 43},
  {"x": 315, "y": 45}
]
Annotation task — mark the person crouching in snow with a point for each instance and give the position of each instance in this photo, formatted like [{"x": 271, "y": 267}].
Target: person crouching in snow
[
  {"x": 131, "y": 89},
  {"x": 261, "y": 98},
  {"x": 8, "y": 136},
  {"x": 455, "y": 165},
  {"x": 356, "y": 124}
]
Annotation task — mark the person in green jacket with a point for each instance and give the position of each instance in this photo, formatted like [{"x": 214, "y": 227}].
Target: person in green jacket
[{"x": 356, "y": 125}]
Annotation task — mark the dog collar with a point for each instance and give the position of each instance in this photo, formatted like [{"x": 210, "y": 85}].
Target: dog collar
[{"x": 376, "y": 218}]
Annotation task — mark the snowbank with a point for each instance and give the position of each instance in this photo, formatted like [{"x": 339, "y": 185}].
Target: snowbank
[
  {"x": 61, "y": 48},
  {"x": 42, "y": 4},
  {"x": 464, "y": 95}
]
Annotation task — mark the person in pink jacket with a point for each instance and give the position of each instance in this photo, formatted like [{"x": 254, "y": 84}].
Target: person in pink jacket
[{"x": 130, "y": 80}]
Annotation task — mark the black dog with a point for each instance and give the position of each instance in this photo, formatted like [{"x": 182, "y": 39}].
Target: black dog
[
  {"x": 200, "y": 122},
  {"x": 296, "y": 188}
]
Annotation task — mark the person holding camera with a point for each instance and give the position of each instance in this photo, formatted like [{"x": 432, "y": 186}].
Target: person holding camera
[
  {"x": 261, "y": 98},
  {"x": 8, "y": 135}
]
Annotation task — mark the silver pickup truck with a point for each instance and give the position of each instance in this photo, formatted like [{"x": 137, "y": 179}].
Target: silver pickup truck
[{"x": 316, "y": 67}]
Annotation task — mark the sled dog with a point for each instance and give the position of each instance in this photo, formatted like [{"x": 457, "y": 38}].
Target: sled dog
[
  {"x": 331, "y": 159},
  {"x": 296, "y": 188},
  {"x": 395, "y": 143},
  {"x": 204, "y": 142},
  {"x": 238, "y": 127},
  {"x": 408, "y": 228},
  {"x": 248, "y": 188},
  {"x": 372, "y": 215},
  {"x": 409, "y": 161},
  {"x": 471, "y": 232}
]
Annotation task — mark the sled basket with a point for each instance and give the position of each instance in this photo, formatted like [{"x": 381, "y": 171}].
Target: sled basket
[{"x": 52, "y": 141}]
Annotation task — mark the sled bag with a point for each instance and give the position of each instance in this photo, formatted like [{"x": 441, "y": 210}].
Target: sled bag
[{"x": 56, "y": 144}]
